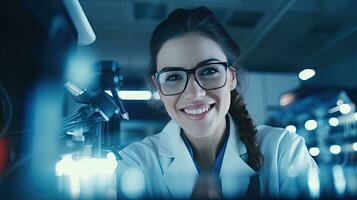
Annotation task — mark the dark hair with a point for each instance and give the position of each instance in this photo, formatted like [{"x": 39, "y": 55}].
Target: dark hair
[{"x": 202, "y": 20}]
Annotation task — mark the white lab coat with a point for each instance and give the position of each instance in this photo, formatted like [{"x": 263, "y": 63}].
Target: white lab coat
[{"x": 170, "y": 172}]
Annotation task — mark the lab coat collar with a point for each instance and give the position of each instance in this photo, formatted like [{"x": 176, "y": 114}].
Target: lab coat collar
[
  {"x": 235, "y": 172},
  {"x": 180, "y": 176},
  {"x": 171, "y": 143}
]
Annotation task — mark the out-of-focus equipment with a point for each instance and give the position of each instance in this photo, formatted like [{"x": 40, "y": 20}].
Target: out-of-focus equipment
[
  {"x": 5, "y": 120},
  {"x": 86, "y": 34},
  {"x": 111, "y": 80},
  {"x": 324, "y": 118},
  {"x": 5, "y": 110},
  {"x": 94, "y": 131},
  {"x": 327, "y": 119},
  {"x": 99, "y": 105},
  {"x": 38, "y": 39}
]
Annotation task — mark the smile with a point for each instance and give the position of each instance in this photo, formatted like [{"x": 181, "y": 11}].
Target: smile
[{"x": 197, "y": 113}]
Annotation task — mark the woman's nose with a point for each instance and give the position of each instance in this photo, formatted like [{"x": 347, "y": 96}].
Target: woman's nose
[{"x": 193, "y": 90}]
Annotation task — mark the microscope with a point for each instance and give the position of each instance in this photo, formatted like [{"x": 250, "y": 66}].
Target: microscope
[{"x": 92, "y": 135}]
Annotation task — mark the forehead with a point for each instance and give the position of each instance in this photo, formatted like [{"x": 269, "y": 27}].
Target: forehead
[{"x": 188, "y": 50}]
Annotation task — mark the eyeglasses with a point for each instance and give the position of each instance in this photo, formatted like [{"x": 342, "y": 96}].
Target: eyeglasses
[{"x": 173, "y": 80}]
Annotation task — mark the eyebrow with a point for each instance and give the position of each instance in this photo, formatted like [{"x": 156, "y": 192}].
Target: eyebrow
[
  {"x": 207, "y": 61},
  {"x": 203, "y": 62}
]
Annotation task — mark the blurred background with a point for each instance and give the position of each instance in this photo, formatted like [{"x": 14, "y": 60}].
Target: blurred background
[{"x": 63, "y": 62}]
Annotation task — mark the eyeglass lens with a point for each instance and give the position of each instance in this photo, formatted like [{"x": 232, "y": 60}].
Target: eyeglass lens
[{"x": 210, "y": 76}]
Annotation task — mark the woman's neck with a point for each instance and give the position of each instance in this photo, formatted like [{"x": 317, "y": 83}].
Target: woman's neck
[{"x": 206, "y": 148}]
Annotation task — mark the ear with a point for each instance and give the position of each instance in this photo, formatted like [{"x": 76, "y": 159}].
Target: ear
[
  {"x": 233, "y": 80},
  {"x": 153, "y": 79}
]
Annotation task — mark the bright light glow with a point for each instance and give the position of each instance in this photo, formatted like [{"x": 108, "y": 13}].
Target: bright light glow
[
  {"x": 335, "y": 149},
  {"x": 156, "y": 95},
  {"x": 306, "y": 74},
  {"x": 345, "y": 108},
  {"x": 74, "y": 89},
  {"x": 70, "y": 133},
  {"x": 61, "y": 165},
  {"x": 314, "y": 183},
  {"x": 286, "y": 99},
  {"x": 108, "y": 92},
  {"x": 111, "y": 156},
  {"x": 133, "y": 183},
  {"x": 354, "y": 146},
  {"x": 80, "y": 68},
  {"x": 133, "y": 94},
  {"x": 339, "y": 179},
  {"x": 75, "y": 186},
  {"x": 310, "y": 125},
  {"x": 333, "y": 121},
  {"x": 291, "y": 128},
  {"x": 339, "y": 102},
  {"x": 355, "y": 116},
  {"x": 314, "y": 151},
  {"x": 85, "y": 167}
]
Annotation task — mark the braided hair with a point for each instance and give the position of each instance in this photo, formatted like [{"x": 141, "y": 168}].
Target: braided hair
[{"x": 202, "y": 20}]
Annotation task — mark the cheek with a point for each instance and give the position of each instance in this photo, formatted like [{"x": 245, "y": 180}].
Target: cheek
[
  {"x": 169, "y": 103},
  {"x": 225, "y": 97}
]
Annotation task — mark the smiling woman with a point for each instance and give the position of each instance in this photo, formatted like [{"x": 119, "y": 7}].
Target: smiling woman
[{"x": 194, "y": 66}]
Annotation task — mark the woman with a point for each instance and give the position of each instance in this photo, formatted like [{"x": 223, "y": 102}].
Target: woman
[{"x": 211, "y": 139}]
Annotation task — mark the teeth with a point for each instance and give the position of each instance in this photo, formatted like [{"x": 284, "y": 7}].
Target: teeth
[{"x": 196, "y": 111}]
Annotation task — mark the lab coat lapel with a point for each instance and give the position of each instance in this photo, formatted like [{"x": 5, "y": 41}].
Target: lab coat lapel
[
  {"x": 179, "y": 175},
  {"x": 235, "y": 172}
]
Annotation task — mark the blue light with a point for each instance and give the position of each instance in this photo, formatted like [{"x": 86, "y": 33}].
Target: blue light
[
  {"x": 339, "y": 180},
  {"x": 314, "y": 183},
  {"x": 133, "y": 183},
  {"x": 306, "y": 74},
  {"x": 133, "y": 94}
]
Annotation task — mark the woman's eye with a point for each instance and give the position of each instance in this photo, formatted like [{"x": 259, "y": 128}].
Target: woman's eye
[
  {"x": 208, "y": 71},
  {"x": 173, "y": 77}
]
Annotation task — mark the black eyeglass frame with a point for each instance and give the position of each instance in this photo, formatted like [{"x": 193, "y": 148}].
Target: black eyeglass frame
[{"x": 192, "y": 71}]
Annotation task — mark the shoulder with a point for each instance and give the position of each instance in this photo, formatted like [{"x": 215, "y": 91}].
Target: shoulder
[
  {"x": 285, "y": 158},
  {"x": 275, "y": 142},
  {"x": 141, "y": 150},
  {"x": 274, "y": 135},
  {"x": 147, "y": 151}
]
